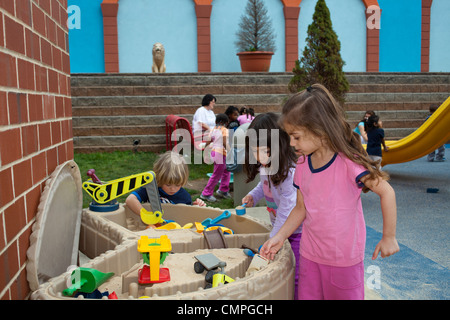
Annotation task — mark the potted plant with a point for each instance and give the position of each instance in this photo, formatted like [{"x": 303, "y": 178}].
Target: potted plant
[{"x": 256, "y": 38}]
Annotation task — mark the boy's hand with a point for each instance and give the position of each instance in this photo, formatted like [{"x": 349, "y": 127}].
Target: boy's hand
[
  {"x": 199, "y": 202},
  {"x": 248, "y": 199},
  {"x": 387, "y": 246}
]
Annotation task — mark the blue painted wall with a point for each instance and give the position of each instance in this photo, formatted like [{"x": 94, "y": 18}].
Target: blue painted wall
[
  {"x": 141, "y": 23},
  {"x": 86, "y": 44},
  {"x": 349, "y": 23},
  {"x": 225, "y": 18},
  {"x": 439, "y": 37},
  {"x": 400, "y": 35}
]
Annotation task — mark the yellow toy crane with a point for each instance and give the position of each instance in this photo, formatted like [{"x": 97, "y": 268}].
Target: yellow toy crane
[{"x": 104, "y": 194}]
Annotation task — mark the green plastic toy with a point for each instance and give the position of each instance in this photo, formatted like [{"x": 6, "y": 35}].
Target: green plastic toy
[{"x": 86, "y": 280}]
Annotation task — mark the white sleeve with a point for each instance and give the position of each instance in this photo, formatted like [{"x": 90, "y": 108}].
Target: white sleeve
[{"x": 198, "y": 117}]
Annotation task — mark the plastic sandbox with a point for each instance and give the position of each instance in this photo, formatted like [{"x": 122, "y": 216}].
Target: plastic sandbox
[{"x": 109, "y": 240}]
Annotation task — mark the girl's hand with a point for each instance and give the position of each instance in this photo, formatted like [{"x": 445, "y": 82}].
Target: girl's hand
[
  {"x": 271, "y": 247},
  {"x": 199, "y": 202},
  {"x": 248, "y": 199},
  {"x": 387, "y": 246}
]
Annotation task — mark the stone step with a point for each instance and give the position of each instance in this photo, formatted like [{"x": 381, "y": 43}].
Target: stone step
[
  {"x": 397, "y": 133},
  {"x": 396, "y": 97},
  {"x": 179, "y": 79},
  {"x": 181, "y": 110},
  {"x": 193, "y": 100},
  {"x": 242, "y": 78},
  {"x": 154, "y": 125},
  {"x": 363, "y": 106},
  {"x": 111, "y": 111},
  {"x": 390, "y": 115},
  {"x": 245, "y": 89},
  {"x": 397, "y": 88},
  {"x": 252, "y": 96},
  {"x": 178, "y": 90},
  {"x": 398, "y": 78},
  {"x": 125, "y": 119}
]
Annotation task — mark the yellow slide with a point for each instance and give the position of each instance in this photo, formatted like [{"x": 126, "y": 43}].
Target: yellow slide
[{"x": 433, "y": 133}]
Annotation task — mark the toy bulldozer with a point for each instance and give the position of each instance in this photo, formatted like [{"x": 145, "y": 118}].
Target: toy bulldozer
[{"x": 211, "y": 263}]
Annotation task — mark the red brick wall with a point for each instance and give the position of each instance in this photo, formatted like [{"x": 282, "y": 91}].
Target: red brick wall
[{"x": 35, "y": 123}]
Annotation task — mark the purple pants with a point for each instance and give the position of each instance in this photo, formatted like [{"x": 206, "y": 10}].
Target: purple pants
[
  {"x": 220, "y": 172},
  {"x": 294, "y": 240},
  {"x": 323, "y": 282}
]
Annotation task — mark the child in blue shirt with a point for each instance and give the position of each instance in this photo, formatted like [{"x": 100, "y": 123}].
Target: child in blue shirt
[
  {"x": 375, "y": 138},
  {"x": 172, "y": 174}
]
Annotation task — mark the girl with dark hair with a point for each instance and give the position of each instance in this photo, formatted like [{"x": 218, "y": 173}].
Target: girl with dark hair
[
  {"x": 375, "y": 138},
  {"x": 361, "y": 126},
  {"x": 268, "y": 153},
  {"x": 233, "y": 113},
  {"x": 330, "y": 175}
]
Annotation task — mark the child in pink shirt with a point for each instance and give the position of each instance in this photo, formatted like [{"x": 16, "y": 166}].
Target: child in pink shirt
[
  {"x": 332, "y": 170},
  {"x": 219, "y": 146},
  {"x": 246, "y": 115}
]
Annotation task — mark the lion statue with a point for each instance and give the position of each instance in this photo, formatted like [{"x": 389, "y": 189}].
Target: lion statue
[{"x": 158, "y": 58}]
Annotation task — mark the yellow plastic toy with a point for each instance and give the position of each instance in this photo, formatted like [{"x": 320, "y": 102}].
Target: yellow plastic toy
[
  {"x": 149, "y": 217},
  {"x": 199, "y": 227},
  {"x": 104, "y": 193},
  {"x": 225, "y": 230},
  {"x": 154, "y": 252},
  {"x": 169, "y": 226},
  {"x": 221, "y": 278},
  {"x": 107, "y": 191}
]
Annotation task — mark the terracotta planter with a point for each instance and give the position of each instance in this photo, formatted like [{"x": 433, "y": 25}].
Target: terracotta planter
[{"x": 255, "y": 61}]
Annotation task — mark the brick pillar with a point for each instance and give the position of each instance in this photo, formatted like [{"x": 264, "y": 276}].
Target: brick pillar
[
  {"x": 35, "y": 124},
  {"x": 110, "y": 35},
  {"x": 291, "y": 36},
  {"x": 425, "y": 53},
  {"x": 203, "y": 12},
  {"x": 372, "y": 40}
]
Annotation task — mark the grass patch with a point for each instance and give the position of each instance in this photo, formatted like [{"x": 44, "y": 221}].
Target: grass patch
[{"x": 118, "y": 164}]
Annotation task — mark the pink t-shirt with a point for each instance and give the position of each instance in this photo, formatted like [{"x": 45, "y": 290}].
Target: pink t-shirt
[
  {"x": 245, "y": 118},
  {"x": 334, "y": 231}
]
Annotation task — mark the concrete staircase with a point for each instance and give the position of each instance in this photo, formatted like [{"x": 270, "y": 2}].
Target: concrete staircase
[{"x": 111, "y": 111}]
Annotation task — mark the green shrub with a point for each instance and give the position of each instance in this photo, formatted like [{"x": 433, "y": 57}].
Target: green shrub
[{"x": 321, "y": 61}]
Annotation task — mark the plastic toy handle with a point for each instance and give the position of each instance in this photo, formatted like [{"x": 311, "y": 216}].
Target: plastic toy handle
[{"x": 95, "y": 179}]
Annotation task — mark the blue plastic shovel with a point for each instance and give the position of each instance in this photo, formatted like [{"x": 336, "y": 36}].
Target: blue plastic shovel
[{"x": 225, "y": 215}]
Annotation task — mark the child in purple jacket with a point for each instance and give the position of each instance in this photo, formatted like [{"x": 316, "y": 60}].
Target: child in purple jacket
[{"x": 268, "y": 153}]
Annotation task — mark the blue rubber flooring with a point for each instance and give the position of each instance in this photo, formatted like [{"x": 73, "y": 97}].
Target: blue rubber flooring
[{"x": 420, "y": 271}]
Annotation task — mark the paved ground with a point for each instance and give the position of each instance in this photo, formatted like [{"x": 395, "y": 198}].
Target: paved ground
[{"x": 420, "y": 271}]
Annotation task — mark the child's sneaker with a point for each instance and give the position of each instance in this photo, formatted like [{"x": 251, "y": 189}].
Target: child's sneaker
[
  {"x": 210, "y": 198},
  {"x": 222, "y": 194}
]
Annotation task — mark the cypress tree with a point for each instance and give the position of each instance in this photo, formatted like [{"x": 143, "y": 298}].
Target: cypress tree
[
  {"x": 255, "y": 29},
  {"x": 321, "y": 61}
]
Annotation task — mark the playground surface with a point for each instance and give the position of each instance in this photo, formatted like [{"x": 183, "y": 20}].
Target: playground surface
[{"x": 420, "y": 271}]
